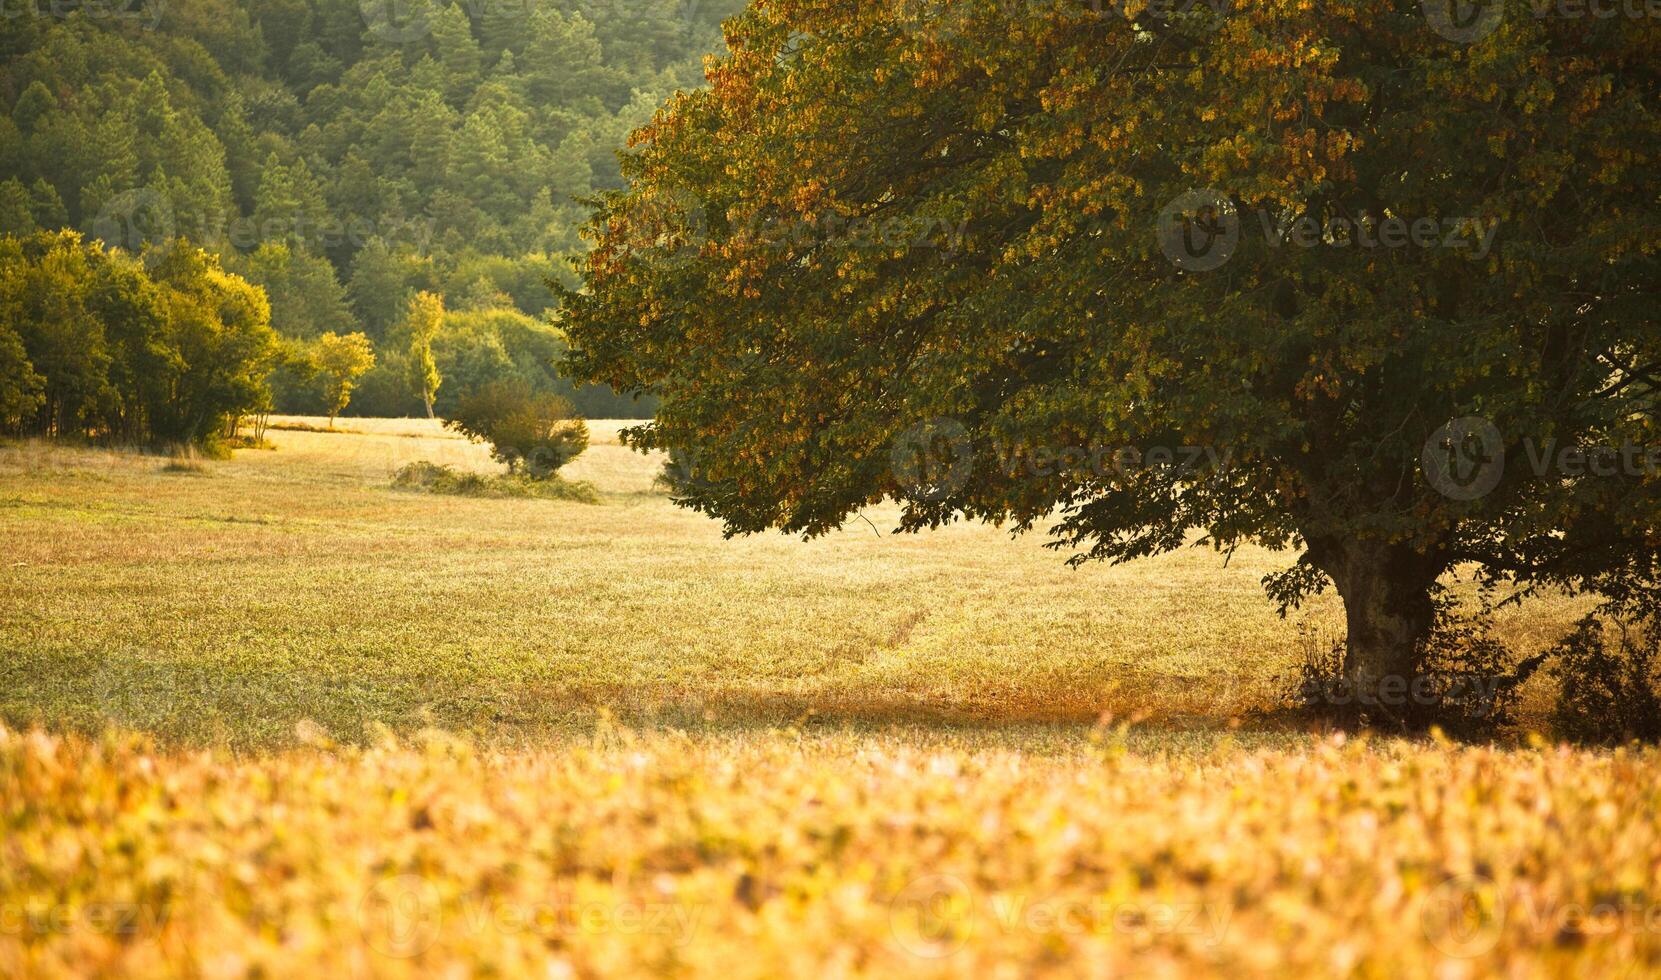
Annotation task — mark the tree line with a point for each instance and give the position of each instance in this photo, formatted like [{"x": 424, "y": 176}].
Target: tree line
[
  {"x": 344, "y": 165},
  {"x": 167, "y": 348}
]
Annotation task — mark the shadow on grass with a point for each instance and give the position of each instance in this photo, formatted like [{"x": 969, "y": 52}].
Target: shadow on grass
[{"x": 190, "y": 703}]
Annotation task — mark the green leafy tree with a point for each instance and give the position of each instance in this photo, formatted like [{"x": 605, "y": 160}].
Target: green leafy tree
[
  {"x": 341, "y": 360},
  {"x": 422, "y": 324},
  {"x": 306, "y": 298},
  {"x": 382, "y": 281},
  {"x": 220, "y": 345},
  {"x": 241, "y": 124},
  {"x": 144, "y": 362},
  {"x": 1176, "y": 231},
  {"x": 45, "y": 291},
  {"x": 20, "y": 386},
  {"x": 15, "y": 216},
  {"x": 160, "y": 350}
]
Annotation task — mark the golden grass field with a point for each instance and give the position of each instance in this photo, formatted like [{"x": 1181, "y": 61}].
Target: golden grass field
[{"x": 269, "y": 716}]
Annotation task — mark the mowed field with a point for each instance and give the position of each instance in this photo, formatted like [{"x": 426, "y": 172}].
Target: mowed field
[{"x": 269, "y": 715}]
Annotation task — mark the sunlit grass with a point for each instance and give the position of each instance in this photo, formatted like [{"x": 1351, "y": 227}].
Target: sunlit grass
[
  {"x": 295, "y": 585},
  {"x": 674, "y": 754}
]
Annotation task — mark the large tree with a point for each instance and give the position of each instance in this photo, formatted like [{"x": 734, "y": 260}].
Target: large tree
[{"x": 963, "y": 253}]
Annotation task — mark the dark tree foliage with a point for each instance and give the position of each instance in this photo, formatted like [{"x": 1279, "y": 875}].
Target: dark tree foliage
[{"x": 1273, "y": 252}]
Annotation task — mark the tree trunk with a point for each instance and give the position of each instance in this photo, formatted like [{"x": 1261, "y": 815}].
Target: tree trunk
[
  {"x": 1387, "y": 605},
  {"x": 429, "y": 401}
]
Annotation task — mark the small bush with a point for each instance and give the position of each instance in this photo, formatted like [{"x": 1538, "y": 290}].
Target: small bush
[
  {"x": 532, "y": 433},
  {"x": 433, "y": 478},
  {"x": 1607, "y": 693}
]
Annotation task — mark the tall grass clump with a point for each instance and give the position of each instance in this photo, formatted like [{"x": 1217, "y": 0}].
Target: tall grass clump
[{"x": 433, "y": 478}]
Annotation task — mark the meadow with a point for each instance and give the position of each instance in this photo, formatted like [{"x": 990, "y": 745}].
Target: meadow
[{"x": 269, "y": 715}]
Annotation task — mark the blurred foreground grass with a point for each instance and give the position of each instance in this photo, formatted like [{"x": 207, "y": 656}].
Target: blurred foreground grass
[{"x": 785, "y": 854}]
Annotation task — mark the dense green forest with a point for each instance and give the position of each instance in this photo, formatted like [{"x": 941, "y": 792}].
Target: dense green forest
[{"x": 346, "y": 155}]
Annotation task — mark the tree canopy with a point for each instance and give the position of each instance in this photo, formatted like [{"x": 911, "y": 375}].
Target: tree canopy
[{"x": 1287, "y": 273}]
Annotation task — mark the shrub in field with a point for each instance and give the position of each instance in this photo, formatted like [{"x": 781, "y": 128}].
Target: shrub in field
[
  {"x": 533, "y": 433},
  {"x": 1609, "y": 693},
  {"x": 433, "y": 478}
]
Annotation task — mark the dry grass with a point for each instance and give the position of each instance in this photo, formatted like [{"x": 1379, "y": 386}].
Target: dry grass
[
  {"x": 864, "y": 755},
  {"x": 297, "y": 585},
  {"x": 791, "y": 855}
]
